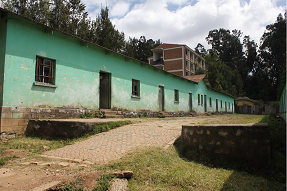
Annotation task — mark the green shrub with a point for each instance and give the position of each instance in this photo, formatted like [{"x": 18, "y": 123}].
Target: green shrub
[
  {"x": 104, "y": 182},
  {"x": 4, "y": 160},
  {"x": 73, "y": 186},
  {"x": 108, "y": 126}
]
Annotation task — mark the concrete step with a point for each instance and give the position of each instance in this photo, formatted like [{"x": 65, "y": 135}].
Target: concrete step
[
  {"x": 193, "y": 114},
  {"x": 165, "y": 114},
  {"x": 110, "y": 113}
]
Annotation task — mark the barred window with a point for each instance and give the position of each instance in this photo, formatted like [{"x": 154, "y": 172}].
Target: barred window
[
  {"x": 135, "y": 87},
  {"x": 45, "y": 70}
]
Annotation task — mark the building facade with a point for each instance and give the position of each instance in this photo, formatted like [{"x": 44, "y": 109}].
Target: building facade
[
  {"x": 45, "y": 73},
  {"x": 177, "y": 59}
]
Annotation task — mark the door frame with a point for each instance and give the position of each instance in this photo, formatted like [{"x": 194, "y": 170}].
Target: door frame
[
  {"x": 190, "y": 101},
  {"x": 107, "y": 104},
  {"x": 161, "y": 98},
  {"x": 205, "y": 105}
]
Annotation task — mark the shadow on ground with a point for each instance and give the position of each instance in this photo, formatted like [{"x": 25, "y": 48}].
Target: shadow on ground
[{"x": 272, "y": 177}]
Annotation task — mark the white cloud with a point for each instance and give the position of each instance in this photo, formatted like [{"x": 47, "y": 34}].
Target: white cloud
[
  {"x": 191, "y": 24},
  {"x": 190, "y": 21},
  {"x": 119, "y": 9}
]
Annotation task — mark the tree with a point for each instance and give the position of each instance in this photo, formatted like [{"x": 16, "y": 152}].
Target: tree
[
  {"x": 222, "y": 77},
  {"x": 227, "y": 46},
  {"x": 199, "y": 49},
  {"x": 140, "y": 48},
  {"x": 106, "y": 34},
  {"x": 17, "y": 6},
  {"x": 250, "y": 54},
  {"x": 272, "y": 53}
]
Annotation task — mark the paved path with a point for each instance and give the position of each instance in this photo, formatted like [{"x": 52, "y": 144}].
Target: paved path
[{"x": 113, "y": 144}]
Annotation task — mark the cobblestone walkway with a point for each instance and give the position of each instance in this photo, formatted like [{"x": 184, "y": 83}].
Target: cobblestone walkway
[{"x": 113, "y": 144}]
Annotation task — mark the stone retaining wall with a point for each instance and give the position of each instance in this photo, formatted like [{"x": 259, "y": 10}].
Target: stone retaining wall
[
  {"x": 244, "y": 142},
  {"x": 59, "y": 129},
  {"x": 14, "y": 120}
]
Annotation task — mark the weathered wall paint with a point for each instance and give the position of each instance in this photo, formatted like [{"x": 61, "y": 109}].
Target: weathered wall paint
[
  {"x": 3, "y": 30},
  {"x": 203, "y": 90},
  {"x": 77, "y": 75}
]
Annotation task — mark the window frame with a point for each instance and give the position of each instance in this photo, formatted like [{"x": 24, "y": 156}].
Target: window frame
[
  {"x": 176, "y": 96},
  {"x": 44, "y": 77},
  {"x": 135, "y": 88},
  {"x": 201, "y": 99}
]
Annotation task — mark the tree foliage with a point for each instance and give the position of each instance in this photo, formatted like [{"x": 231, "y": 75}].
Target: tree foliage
[
  {"x": 256, "y": 72},
  {"x": 222, "y": 77},
  {"x": 272, "y": 53},
  {"x": 140, "y": 48}
]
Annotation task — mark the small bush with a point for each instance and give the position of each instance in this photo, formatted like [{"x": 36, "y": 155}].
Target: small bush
[
  {"x": 72, "y": 186},
  {"x": 4, "y": 160},
  {"x": 93, "y": 114},
  {"x": 108, "y": 126},
  {"x": 104, "y": 182}
]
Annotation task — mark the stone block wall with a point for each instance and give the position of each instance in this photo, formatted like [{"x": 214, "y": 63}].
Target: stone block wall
[
  {"x": 244, "y": 142},
  {"x": 59, "y": 129},
  {"x": 14, "y": 120}
]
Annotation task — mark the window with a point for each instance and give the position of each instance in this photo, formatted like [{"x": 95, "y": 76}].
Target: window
[
  {"x": 45, "y": 70},
  {"x": 221, "y": 103},
  {"x": 201, "y": 99},
  {"x": 176, "y": 96},
  {"x": 186, "y": 63},
  {"x": 210, "y": 103},
  {"x": 191, "y": 66},
  {"x": 136, "y": 88},
  {"x": 186, "y": 73},
  {"x": 198, "y": 98}
]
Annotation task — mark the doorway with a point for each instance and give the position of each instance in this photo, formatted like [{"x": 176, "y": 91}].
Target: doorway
[
  {"x": 161, "y": 98},
  {"x": 105, "y": 90},
  {"x": 190, "y": 101},
  {"x": 205, "y": 105},
  {"x": 216, "y": 105}
]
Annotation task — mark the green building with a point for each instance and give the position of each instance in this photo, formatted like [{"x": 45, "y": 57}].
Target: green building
[{"x": 46, "y": 73}]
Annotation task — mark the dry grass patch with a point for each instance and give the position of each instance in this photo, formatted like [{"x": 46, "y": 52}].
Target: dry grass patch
[{"x": 233, "y": 119}]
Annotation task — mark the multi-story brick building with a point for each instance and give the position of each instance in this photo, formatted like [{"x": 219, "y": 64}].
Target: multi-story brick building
[{"x": 177, "y": 59}]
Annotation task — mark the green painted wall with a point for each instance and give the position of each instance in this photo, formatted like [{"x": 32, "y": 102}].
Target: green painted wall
[
  {"x": 77, "y": 75},
  {"x": 3, "y": 29},
  {"x": 203, "y": 90}
]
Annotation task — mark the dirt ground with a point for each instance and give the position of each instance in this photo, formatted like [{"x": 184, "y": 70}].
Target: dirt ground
[{"x": 33, "y": 172}]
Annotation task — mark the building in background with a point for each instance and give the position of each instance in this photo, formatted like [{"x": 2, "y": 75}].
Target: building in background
[{"x": 177, "y": 59}]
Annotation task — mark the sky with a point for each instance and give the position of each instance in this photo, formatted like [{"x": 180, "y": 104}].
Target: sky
[{"x": 188, "y": 21}]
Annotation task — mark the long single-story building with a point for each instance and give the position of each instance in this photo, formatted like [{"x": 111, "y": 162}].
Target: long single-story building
[{"x": 45, "y": 73}]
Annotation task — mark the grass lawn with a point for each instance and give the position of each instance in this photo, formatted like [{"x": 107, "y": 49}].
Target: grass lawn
[{"x": 159, "y": 169}]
